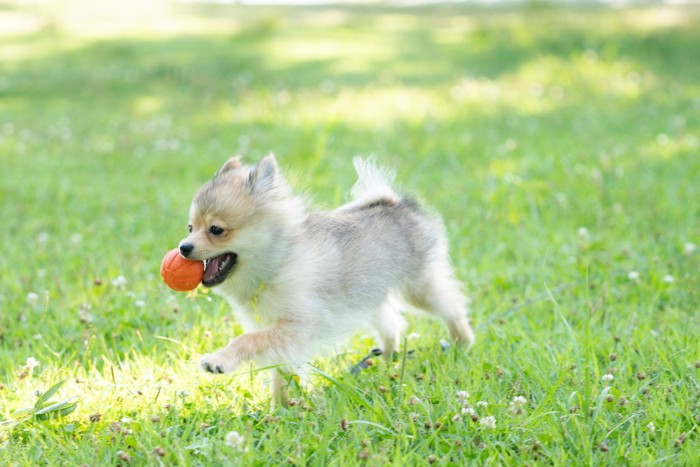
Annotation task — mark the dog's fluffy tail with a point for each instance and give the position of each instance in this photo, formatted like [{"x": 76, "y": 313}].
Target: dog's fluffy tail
[{"x": 373, "y": 182}]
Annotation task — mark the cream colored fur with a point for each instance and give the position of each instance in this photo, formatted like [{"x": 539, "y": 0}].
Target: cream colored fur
[{"x": 303, "y": 278}]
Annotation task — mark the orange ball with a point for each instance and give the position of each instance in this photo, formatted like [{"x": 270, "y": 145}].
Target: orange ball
[{"x": 179, "y": 273}]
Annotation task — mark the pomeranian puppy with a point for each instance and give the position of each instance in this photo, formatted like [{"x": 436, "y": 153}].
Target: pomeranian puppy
[{"x": 298, "y": 278}]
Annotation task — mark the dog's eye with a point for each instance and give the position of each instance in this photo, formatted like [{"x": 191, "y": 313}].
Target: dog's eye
[
  {"x": 216, "y": 230},
  {"x": 189, "y": 227}
]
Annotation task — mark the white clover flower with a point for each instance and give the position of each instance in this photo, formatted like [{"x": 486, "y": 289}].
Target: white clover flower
[
  {"x": 519, "y": 400},
  {"x": 462, "y": 396},
  {"x": 125, "y": 420},
  {"x": 413, "y": 336},
  {"x": 689, "y": 248},
  {"x": 31, "y": 363},
  {"x": 488, "y": 423},
  {"x": 235, "y": 440},
  {"x": 457, "y": 418},
  {"x": 669, "y": 279},
  {"x": 139, "y": 303},
  {"x": 607, "y": 377},
  {"x": 119, "y": 281},
  {"x": 468, "y": 411},
  {"x": 482, "y": 404},
  {"x": 651, "y": 428},
  {"x": 583, "y": 233},
  {"x": 84, "y": 315},
  {"x": 32, "y": 299},
  {"x": 633, "y": 276},
  {"x": 517, "y": 405}
]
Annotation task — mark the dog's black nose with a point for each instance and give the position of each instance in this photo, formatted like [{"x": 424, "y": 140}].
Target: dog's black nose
[{"x": 186, "y": 248}]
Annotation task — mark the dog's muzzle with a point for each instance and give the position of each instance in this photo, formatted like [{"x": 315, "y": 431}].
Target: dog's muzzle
[{"x": 186, "y": 249}]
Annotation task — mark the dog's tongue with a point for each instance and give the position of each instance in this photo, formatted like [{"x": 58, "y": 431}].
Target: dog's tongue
[{"x": 212, "y": 268}]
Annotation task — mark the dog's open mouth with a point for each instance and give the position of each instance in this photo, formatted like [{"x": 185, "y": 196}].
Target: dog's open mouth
[{"x": 217, "y": 269}]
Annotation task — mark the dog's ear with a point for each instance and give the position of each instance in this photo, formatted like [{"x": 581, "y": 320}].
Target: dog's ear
[
  {"x": 263, "y": 176},
  {"x": 232, "y": 163}
]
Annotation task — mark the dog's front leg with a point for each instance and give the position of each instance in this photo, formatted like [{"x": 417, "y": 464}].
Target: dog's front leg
[{"x": 274, "y": 342}]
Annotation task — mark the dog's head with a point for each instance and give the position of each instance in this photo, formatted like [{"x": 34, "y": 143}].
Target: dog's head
[{"x": 227, "y": 216}]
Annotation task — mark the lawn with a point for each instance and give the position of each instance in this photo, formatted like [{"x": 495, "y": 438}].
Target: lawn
[{"x": 561, "y": 145}]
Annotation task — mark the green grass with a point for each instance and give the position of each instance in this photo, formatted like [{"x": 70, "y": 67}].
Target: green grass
[{"x": 561, "y": 145}]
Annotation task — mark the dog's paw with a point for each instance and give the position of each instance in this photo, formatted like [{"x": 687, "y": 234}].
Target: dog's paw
[{"x": 215, "y": 364}]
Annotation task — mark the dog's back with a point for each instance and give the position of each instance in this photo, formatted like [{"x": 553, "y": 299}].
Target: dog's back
[{"x": 368, "y": 249}]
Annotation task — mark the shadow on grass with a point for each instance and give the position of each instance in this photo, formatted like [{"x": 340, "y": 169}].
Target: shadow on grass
[
  {"x": 433, "y": 49},
  {"x": 152, "y": 96},
  {"x": 206, "y": 82}
]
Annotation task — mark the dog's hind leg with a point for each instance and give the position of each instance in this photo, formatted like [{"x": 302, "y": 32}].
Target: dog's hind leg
[
  {"x": 389, "y": 324},
  {"x": 440, "y": 294}
]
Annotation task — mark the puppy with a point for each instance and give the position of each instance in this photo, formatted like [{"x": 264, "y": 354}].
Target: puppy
[{"x": 298, "y": 278}]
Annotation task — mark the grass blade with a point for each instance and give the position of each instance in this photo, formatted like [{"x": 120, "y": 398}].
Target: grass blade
[{"x": 48, "y": 394}]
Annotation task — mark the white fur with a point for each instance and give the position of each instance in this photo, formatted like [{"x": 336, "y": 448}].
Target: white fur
[
  {"x": 323, "y": 274},
  {"x": 373, "y": 182}
]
